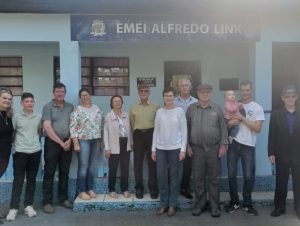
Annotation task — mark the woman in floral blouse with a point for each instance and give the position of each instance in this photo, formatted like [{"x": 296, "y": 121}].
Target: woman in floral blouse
[{"x": 85, "y": 128}]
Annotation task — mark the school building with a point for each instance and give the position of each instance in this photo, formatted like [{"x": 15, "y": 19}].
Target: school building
[{"x": 110, "y": 46}]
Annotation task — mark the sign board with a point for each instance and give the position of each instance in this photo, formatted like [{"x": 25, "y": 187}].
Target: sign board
[
  {"x": 151, "y": 81},
  {"x": 131, "y": 28}
]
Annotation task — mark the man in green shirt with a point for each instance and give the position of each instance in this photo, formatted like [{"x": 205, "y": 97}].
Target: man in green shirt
[{"x": 142, "y": 117}]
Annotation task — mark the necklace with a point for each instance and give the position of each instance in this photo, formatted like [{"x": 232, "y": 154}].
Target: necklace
[{"x": 4, "y": 119}]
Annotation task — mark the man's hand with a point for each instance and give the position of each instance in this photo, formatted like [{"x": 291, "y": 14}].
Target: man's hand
[
  {"x": 189, "y": 151},
  {"x": 67, "y": 145}
]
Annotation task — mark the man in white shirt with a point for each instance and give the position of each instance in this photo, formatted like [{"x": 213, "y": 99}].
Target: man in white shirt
[{"x": 243, "y": 147}]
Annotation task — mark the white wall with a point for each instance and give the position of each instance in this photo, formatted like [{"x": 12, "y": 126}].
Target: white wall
[{"x": 217, "y": 61}]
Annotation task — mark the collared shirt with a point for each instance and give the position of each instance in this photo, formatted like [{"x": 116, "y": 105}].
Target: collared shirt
[
  {"x": 142, "y": 115},
  {"x": 184, "y": 104},
  {"x": 206, "y": 126},
  {"x": 59, "y": 117},
  {"x": 26, "y": 129},
  {"x": 86, "y": 123}
]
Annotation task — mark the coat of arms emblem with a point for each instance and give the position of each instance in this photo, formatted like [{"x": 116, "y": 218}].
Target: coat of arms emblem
[{"x": 98, "y": 28}]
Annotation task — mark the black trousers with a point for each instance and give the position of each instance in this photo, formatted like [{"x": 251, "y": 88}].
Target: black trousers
[
  {"x": 55, "y": 155},
  {"x": 24, "y": 164},
  {"x": 283, "y": 170},
  {"x": 142, "y": 143},
  {"x": 186, "y": 173},
  {"x": 113, "y": 163},
  {"x": 3, "y": 165}
]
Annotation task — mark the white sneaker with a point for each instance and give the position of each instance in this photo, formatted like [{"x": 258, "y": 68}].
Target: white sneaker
[
  {"x": 11, "y": 216},
  {"x": 29, "y": 211}
]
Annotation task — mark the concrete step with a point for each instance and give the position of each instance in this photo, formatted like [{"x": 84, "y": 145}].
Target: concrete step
[{"x": 104, "y": 202}]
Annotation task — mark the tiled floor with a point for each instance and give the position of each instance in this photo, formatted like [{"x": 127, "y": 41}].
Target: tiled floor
[{"x": 105, "y": 202}]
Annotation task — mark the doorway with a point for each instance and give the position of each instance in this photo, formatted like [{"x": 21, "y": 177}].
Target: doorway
[
  {"x": 175, "y": 70},
  {"x": 285, "y": 69}
]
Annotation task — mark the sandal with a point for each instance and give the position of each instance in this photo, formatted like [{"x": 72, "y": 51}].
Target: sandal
[
  {"x": 84, "y": 196},
  {"x": 113, "y": 195},
  {"x": 92, "y": 194},
  {"x": 126, "y": 194}
]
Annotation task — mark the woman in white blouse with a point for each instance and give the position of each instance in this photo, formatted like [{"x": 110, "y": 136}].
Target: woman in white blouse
[
  {"x": 117, "y": 145},
  {"x": 85, "y": 128},
  {"x": 168, "y": 148}
]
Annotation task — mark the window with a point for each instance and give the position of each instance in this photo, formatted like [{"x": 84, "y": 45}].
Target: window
[
  {"x": 103, "y": 76},
  {"x": 11, "y": 74}
]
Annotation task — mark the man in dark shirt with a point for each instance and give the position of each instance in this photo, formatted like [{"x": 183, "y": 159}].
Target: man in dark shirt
[
  {"x": 283, "y": 149},
  {"x": 208, "y": 139}
]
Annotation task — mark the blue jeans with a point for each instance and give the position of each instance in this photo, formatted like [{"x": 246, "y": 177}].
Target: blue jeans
[
  {"x": 246, "y": 153},
  {"x": 167, "y": 163},
  {"x": 87, "y": 160}
]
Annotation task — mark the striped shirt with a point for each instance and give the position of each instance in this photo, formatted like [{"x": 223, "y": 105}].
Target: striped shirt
[{"x": 206, "y": 126}]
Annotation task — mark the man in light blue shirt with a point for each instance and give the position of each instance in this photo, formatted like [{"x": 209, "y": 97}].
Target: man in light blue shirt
[{"x": 184, "y": 100}]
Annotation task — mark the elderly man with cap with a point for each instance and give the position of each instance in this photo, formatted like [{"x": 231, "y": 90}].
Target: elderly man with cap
[
  {"x": 142, "y": 115},
  {"x": 208, "y": 139},
  {"x": 283, "y": 149}
]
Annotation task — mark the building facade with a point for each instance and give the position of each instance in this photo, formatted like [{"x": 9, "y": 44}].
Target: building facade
[{"x": 121, "y": 45}]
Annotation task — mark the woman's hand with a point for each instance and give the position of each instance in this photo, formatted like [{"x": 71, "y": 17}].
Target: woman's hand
[
  {"x": 107, "y": 153},
  {"x": 181, "y": 156},
  {"x": 76, "y": 147},
  {"x": 153, "y": 156}
]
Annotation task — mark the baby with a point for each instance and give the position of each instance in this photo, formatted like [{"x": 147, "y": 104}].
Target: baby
[{"x": 232, "y": 107}]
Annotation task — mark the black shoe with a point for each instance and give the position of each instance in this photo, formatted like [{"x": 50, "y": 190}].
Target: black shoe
[
  {"x": 231, "y": 207},
  {"x": 197, "y": 211},
  {"x": 154, "y": 195},
  {"x": 215, "y": 213},
  {"x": 186, "y": 193},
  {"x": 139, "y": 194},
  {"x": 277, "y": 212},
  {"x": 250, "y": 209}
]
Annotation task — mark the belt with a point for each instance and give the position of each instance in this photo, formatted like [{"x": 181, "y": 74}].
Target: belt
[{"x": 144, "y": 130}]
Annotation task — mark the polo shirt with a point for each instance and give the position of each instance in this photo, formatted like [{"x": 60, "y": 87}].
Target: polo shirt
[
  {"x": 59, "y": 117},
  {"x": 26, "y": 132}
]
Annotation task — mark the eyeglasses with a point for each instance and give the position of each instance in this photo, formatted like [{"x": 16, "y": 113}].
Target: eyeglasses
[{"x": 5, "y": 90}]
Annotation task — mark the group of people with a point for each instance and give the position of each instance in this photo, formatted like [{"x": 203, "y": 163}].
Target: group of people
[{"x": 194, "y": 131}]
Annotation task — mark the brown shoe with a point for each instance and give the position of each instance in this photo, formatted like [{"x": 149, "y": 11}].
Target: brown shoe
[
  {"x": 48, "y": 209},
  {"x": 161, "y": 210},
  {"x": 67, "y": 204},
  {"x": 171, "y": 211}
]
